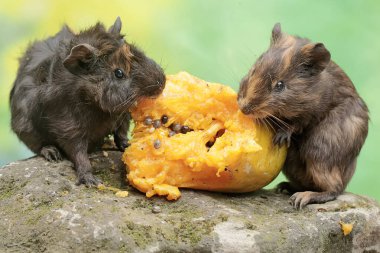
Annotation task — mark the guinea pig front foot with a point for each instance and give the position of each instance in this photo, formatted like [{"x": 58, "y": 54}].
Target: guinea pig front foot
[
  {"x": 89, "y": 180},
  {"x": 121, "y": 142},
  {"x": 285, "y": 187},
  {"x": 51, "y": 154},
  {"x": 282, "y": 137},
  {"x": 300, "y": 199}
]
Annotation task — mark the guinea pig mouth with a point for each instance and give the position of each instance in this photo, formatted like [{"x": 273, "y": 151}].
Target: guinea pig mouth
[
  {"x": 154, "y": 93},
  {"x": 259, "y": 115},
  {"x": 255, "y": 113}
]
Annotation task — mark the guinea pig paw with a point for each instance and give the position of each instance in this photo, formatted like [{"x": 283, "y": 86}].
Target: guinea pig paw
[
  {"x": 281, "y": 138},
  {"x": 122, "y": 145},
  {"x": 89, "y": 180},
  {"x": 300, "y": 199},
  {"x": 51, "y": 154},
  {"x": 284, "y": 187}
]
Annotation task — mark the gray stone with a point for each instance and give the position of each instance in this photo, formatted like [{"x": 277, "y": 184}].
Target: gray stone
[{"x": 42, "y": 210}]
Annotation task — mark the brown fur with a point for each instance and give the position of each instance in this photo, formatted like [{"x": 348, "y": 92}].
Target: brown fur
[{"x": 318, "y": 114}]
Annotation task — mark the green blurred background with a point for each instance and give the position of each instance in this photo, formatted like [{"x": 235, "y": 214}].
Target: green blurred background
[{"x": 217, "y": 40}]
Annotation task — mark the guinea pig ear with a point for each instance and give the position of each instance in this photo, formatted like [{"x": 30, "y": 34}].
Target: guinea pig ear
[
  {"x": 276, "y": 33},
  {"x": 116, "y": 27},
  {"x": 316, "y": 56},
  {"x": 80, "y": 59}
]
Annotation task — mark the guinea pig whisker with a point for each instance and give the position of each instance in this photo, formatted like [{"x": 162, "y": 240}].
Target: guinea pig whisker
[
  {"x": 271, "y": 121},
  {"x": 126, "y": 102},
  {"x": 278, "y": 120},
  {"x": 121, "y": 118},
  {"x": 275, "y": 123},
  {"x": 265, "y": 122},
  {"x": 261, "y": 123},
  {"x": 269, "y": 124},
  {"x": 154, "y": 85}
]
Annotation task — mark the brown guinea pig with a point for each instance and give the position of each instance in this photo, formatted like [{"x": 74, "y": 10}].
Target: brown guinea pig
[
  {"x": 72, "y": 90},
  {"x": 313, "y": 107}
]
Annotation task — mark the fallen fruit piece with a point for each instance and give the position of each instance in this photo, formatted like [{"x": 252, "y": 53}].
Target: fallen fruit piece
[
  {"x": 205, "y": 143},
  {"x": 117, "y": 191},
  {"x": 346, "y": 227},
  {"x": 121, "y": 194}
]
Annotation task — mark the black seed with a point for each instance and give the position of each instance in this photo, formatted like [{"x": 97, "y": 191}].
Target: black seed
[
  {"x": 185, "y": 129},
  {"x": 209, "y": 144},
  {"x": 164, "y": 119},
  {"x": 171, "y": 133},
  {"x": 148, "y": 121},
  {"x": 157, "y": 123},
  {"x": 157, "y": 144},
  {"x": 176, "y": 127}
]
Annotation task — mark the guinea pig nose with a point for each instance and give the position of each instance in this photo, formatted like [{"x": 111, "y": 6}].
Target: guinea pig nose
[
  {"x": 245, "y": 110},
  {"x": 161, "y": 82}
]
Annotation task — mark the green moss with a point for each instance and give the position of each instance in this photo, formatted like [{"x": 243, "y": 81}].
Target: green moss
[
  {"x": 191, "y": 228},
  {"x": 35, "y": 213},
  {"x": 143, "y": 203},
  {"x": 124, "y": 248},
  {"x": 107, "y": 177},
  {"x": 9, "y": 188},
  {"x": 140, "y": 234},
  {"x": 7, "y": 193}
]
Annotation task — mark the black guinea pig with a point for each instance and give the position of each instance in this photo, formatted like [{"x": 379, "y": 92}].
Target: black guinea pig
[{"x": 72, "y": 90}]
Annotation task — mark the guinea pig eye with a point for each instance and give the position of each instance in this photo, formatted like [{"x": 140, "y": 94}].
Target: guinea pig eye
[
  {"x": 119, "y": 73},
  {"x": 280, "y": 86}
]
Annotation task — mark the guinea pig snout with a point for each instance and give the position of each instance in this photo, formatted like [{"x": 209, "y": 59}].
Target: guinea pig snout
[
  {"x": 157, "y": 79},
  {"x": 245, "y": 106},
  {"x": 246, "y": 110},
  {"x": 161, "y": 82}
]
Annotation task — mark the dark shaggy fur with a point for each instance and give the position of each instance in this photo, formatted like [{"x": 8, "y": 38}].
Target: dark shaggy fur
[
  {"x": 72, "y": 90},
  {"x": 314, "y": 108}
]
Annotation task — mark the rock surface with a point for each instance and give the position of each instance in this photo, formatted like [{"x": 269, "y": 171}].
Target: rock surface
[{"x": 42, "y": 210}]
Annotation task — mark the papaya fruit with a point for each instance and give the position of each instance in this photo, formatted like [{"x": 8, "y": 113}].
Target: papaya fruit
[{"x": 193, "y": 135}]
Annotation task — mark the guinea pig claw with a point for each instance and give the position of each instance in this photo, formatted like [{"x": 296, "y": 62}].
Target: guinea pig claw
[
  {"x": 89, "y": 180},
  {"x": 294, "y": 201},
  {"x": 51, "y": 154},
  {"x": 300, "y": 199}
]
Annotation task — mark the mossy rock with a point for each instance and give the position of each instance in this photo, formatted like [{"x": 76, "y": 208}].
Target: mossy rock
[{"x": 42, "y": 210}]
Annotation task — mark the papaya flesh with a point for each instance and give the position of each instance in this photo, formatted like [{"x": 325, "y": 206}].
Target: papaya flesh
[{"x": 194, "y": 136}]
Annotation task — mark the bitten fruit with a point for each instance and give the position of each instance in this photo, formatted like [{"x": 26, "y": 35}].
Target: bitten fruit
[{"x": 199, "y": 140}]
